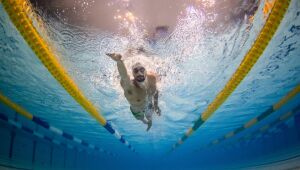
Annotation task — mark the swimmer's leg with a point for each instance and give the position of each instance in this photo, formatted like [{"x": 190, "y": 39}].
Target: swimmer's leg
[
  {"x": 149, "y": 118},
  {"x": 147, "y": 122},
  {"x": 149, "y": 125},
  {"x": 144, "y": 121}
]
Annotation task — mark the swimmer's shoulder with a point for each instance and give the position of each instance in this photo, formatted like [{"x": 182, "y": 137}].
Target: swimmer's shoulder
[
  {"x": 152, "y": 77},
  {"x": 152, "y": 81}
]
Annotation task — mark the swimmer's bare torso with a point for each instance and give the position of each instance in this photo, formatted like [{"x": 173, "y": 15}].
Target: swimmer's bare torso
[{"x": 140, "y": 96}]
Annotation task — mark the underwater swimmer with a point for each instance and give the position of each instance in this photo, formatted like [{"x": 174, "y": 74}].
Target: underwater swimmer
[{"x": 141, "y": 92}]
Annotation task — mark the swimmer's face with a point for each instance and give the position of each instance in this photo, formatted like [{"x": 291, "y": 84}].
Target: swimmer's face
[{"x": 139, "y": 72}]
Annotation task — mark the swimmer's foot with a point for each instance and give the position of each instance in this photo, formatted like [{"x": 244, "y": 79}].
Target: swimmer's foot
[{"x": 149, "y": 125}]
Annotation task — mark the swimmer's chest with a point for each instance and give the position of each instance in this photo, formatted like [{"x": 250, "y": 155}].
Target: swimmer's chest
[{"x": 135, "y": 94}]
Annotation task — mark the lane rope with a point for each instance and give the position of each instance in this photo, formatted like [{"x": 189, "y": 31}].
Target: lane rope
[
  {"x": 260, "y": 44},
  {"x": 18, "y": 11},
  {"x": 260, "y": 117},
  {"x": 39, "y": 121},
  {"x": 274, "y": 124}
]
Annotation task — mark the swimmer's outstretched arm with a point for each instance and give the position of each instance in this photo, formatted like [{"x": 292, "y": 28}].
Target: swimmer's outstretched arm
[{"x": 121, "y": 67}]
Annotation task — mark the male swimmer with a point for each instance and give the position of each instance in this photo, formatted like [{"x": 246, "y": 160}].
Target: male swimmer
[{"x": 141, "y": 92}]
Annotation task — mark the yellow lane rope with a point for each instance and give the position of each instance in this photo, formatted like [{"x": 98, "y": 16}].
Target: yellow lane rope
[
  {"x": 15, "y": 107},
  {"x": 18, "y": 12},
  {"x": 261, "y": 42},
  {"x": 16, "y": 9}
]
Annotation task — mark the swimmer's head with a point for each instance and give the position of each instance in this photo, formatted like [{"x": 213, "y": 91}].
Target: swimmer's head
[{"x": 139, "y": 72}]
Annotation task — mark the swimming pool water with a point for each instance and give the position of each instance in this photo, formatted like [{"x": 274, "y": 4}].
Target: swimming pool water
[{"x": 194, "y": 64}]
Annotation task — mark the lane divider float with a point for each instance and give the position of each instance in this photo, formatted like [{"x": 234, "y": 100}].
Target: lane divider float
[
  {"x": 264, "y": 129},
  {"x": 260, "y": 117},
  {"x": 37, "y": 120},
  {"x": 257, "y": 49},
  {"x": 17, "y": 11}
]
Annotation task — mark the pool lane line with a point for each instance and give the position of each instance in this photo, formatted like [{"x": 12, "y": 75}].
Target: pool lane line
[
  {"x": 17, "y": 11},
  {"x": 44, "y": 124},
  {"x": 22, "y": 127},
  {"x": 264, "y": 129},
  {"x": 261, "y": 42},
  {"x": 281, "y": 119},
  {"x": 262, "y": 116}
]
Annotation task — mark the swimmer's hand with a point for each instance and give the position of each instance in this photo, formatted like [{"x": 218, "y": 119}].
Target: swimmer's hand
[
  {"x": 114, "y": 56},
  {"x": 157, "y": 111}
]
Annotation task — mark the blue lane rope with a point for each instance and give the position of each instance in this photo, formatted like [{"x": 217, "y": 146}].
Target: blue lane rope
[{"x": 53, "y": 129}]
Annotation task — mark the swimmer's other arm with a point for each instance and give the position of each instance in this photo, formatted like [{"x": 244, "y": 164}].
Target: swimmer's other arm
[
  {"x": 155, "y": 102},
  {"x": 125, "y": 79}
]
